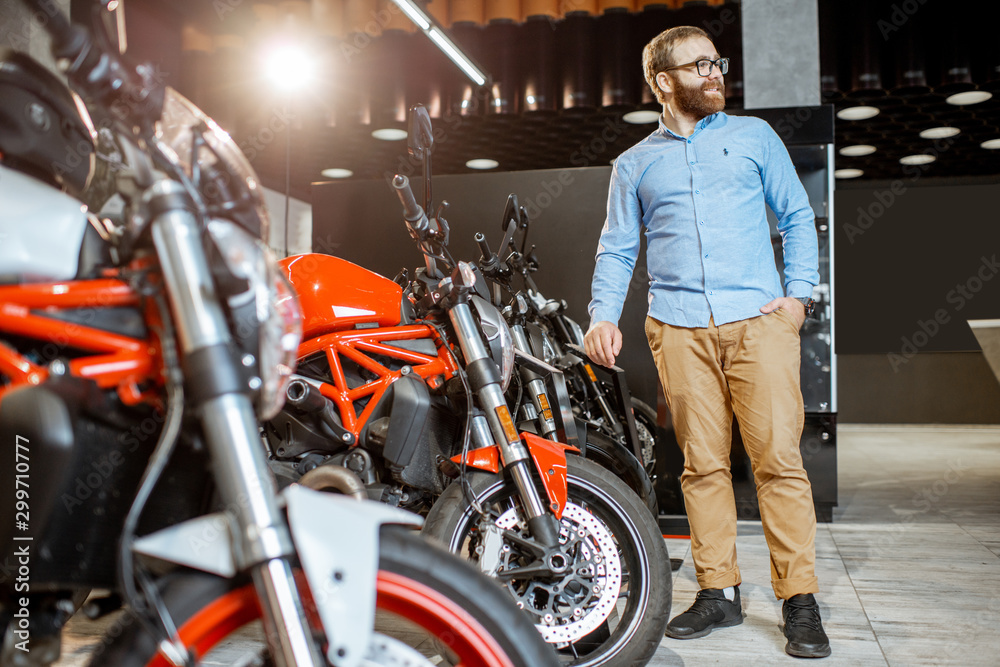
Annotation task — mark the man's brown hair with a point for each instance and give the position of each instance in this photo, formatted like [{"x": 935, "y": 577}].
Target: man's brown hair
[{"x": 659, "y": 53}]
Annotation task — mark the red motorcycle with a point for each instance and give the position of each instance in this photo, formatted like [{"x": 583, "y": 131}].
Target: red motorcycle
[
  {"x": 136, "y": 359},
  {"x": 400, "y": 395}
]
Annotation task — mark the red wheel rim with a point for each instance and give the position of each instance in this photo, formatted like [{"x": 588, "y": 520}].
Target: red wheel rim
[{"x": 442, "y": 618}]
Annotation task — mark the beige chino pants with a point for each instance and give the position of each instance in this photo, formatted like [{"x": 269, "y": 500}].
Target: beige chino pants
[{"x": 748, "y": 368}]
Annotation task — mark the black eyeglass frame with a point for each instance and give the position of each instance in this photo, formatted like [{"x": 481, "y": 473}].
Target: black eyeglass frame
[{"x": 721, "y": 63}]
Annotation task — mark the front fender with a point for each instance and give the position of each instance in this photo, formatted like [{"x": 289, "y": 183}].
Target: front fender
[
  {"x": 549, "y": 458},
  {"x": 337, "y": 542}
]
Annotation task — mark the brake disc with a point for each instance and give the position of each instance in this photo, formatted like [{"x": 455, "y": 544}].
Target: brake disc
[
  {"x": 575, "y": 605},
  {"x": 647, "y": 442}
]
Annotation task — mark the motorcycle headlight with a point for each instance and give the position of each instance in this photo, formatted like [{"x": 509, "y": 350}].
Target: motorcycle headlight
[
  {"x": 498, "y": 337},
  {"x": 268, "y": 311}
]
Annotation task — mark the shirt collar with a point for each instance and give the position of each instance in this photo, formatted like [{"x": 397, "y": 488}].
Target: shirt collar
[{"x": 699, "y": 126}]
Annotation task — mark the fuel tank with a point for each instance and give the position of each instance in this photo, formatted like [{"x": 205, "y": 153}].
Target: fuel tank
[
  {"x": 41, "y": 230},
  {"x": 336, "y": 295}
]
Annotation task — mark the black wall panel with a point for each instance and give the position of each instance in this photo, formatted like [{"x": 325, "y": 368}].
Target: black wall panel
[{"x": 912, "y": 265}]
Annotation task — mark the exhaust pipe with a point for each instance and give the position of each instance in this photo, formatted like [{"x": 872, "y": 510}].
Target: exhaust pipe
[{"x": 335, "y": 477}]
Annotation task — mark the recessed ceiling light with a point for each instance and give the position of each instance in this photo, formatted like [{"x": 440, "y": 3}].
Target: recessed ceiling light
[
  {"x": 922, "y": 158},
  {"x": 337, "y": 173},
  {"x": 857, "y": 150},
  {"x": 990, "y": 144},
  {"x": 641, "y": 117},
  {"x": 848, "y": 173},
  {"x": 969, "y": 97},
  {"x": 858, "y": 113},
  {"x": 939, "y": 133},
  {"x": 389, "y": 134},
  {"x": 482, "y": 163}
]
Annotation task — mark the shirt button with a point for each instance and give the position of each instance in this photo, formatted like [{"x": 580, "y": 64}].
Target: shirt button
[
  {"x": 701, "y": 222},
  {"x": 697, "y": 192},
  {"x": 692, "y": 161},
  {"x": 689, "y": 141},
  {"x": 711, "y": 292},
  {"x": 706, "y": 256}
]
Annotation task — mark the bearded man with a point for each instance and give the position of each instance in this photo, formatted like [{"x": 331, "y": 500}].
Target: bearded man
[{"x": 723, "y": 331}]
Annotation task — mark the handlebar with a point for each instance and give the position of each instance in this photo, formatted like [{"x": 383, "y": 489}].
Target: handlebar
[
  {"x": 484, "y": 246},
  {"x": 414, "y": 215},
  {"x": 488, "y": 264},
  {"x": 99, "y": 75}
]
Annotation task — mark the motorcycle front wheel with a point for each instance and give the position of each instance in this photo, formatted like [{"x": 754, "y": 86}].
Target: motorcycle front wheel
[
  {"x": 431, "y": 610},
  {"x": 617, "y": 458},
  {"x": 611, "y": 607}
]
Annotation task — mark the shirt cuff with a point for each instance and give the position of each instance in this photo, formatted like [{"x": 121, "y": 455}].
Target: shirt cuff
[
  {"x": 604, "y": 315},
  {"x": 798, "y": 289}
]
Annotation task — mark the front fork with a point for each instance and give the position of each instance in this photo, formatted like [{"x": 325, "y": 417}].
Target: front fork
[
  {"x": 485, "y": 380},
  {"x": 536, "y": 388},
  {"x": 262, "y": 544}
]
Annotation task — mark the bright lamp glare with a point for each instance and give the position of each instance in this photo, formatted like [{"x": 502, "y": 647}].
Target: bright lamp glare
[{"x": 289, "y": 68}]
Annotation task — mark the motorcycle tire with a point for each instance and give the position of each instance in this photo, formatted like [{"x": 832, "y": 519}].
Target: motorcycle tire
[
  {"x": 424, "y": 595},
  {"x": 617, "y": 458},
  {"x": 617, "y": 534},
  {"x": 646, "y": 427}
]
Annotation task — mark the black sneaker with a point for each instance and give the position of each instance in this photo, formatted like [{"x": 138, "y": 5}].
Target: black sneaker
[
  {"x": 710, "y": 610},
  {"x": 803, "y": 628}
]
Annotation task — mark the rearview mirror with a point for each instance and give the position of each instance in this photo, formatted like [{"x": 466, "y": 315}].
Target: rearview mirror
[{"x": 420, "y": 141}]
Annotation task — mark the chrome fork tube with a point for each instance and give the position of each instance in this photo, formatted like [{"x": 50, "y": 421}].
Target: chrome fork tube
[
  {"x": 536, "y": 387},
  {"x": 513, "y": 454},
  {"x": 262, "y": 543}
]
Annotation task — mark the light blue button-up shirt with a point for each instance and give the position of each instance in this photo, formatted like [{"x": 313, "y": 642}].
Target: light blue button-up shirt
[{"x": 701, "y": 202}]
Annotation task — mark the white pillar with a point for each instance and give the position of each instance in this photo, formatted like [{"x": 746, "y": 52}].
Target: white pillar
[{"x": 780, "y": 53}]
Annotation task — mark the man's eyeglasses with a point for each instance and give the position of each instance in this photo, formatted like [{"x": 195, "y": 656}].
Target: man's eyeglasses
[{"x": 705, "y": 66}]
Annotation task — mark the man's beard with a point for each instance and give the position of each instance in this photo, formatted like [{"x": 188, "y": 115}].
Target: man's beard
[{"x": 694, "y": 101}]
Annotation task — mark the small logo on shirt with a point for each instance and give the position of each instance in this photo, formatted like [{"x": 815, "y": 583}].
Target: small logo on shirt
[{"x": 725, "y": 151}]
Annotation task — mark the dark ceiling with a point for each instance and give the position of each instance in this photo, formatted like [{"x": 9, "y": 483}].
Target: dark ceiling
[{"x": 561, "y": 88}]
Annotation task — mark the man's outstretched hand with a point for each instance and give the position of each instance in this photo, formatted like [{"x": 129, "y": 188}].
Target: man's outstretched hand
[{"x": 603, "y": 342}]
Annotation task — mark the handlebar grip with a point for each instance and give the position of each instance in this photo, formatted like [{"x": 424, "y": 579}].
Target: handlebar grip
[
  {"x": 484, "y": 246},
  {"x": 411, "y": 210}
]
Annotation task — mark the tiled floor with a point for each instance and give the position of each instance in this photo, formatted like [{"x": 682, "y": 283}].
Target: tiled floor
[{"x": 909, "y": 569}]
